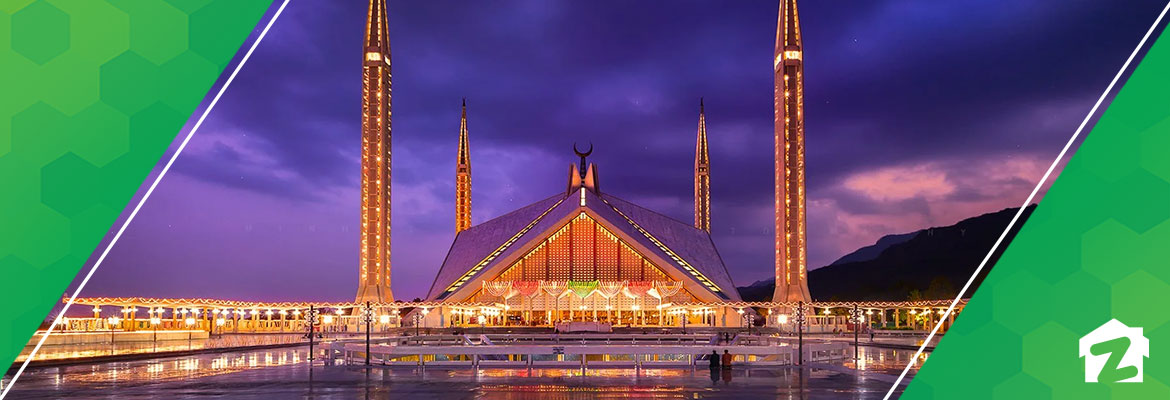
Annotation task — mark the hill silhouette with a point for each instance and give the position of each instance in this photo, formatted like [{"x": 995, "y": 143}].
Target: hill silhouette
[{"x": 932, "y": 264}]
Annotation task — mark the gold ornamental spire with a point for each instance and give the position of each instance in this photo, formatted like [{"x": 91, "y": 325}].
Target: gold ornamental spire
[
  {"x": 374, "y": 279},
  {"x": 702, "y": 176},
  {"x": 463, "y": 177},
  {"x": 791, "y": 260}
]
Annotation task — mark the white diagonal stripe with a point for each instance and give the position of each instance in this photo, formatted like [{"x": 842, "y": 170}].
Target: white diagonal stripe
[
  {"x": 1043, "y": 179},
  {"x": 146, "y": 196}
]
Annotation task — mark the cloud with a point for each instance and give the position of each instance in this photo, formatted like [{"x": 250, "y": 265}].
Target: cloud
[
  {"x": 918, "y": 113},
  {"x": 904, "y": 198},
  {"x": 901, "y": 183}
]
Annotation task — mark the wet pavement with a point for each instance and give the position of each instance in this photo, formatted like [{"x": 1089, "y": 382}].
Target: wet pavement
[
  {"x": 284, "y": 373},
  {"x": 59, "y": 352}
]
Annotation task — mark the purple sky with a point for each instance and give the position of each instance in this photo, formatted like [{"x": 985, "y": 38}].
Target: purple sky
[{"x": 919, "y": 113}]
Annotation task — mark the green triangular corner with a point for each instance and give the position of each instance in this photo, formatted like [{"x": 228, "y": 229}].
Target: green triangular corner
[
  {"x": 1096, "y": 248},
  {"x": 94, "y": 93}
]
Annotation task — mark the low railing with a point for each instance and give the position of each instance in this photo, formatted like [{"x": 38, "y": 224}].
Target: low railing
[{"x": 581, "y": 350}]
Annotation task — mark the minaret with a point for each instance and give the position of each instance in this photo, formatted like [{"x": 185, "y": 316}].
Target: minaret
[
  {"x": 463, "y": 178},
  {"x": 374, "y": 284},
  {"x": 702, "y": 176},
  {"x": 791, "y": 274}
]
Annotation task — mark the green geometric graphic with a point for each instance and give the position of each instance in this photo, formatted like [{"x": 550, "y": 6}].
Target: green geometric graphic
[
  {"x": 93, "y": 94},
  {"x": 1096, "y": 248}
]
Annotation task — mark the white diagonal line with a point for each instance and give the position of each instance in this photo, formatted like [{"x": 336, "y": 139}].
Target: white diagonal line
[
  {"x": 146, "y": 196},
  {"x": 1043, "y": 179}
]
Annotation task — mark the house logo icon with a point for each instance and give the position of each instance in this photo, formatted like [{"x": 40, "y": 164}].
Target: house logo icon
[{"x": 1114, "y": 352}]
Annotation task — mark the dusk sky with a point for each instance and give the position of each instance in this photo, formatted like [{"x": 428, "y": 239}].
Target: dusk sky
[{"x": 918, "y": 114}]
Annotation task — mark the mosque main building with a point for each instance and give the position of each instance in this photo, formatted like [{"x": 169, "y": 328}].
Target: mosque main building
[
  {"x": 584, "y": 251},
  {"x": 581, "y": 255}
]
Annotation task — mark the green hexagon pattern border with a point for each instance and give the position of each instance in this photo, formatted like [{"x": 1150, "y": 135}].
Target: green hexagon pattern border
[
  {"x": 94, "y": 93},
  {"x": 1095, "y": 249}
]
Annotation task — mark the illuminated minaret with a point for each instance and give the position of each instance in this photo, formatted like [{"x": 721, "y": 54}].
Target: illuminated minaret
[
  {"x": 374, "y": 284},
  {"x": 463, "y": 177},
  {"x": 702, "y": 176},
  {"x": 791, "y": 274}
]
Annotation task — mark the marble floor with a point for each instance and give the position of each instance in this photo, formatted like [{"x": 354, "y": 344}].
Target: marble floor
[{"x": 283, "y": 373}]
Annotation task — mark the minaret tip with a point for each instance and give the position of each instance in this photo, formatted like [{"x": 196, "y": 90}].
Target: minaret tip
[
  {"x": 463, "y": 177},
  {"x": 702, "y": 175}
]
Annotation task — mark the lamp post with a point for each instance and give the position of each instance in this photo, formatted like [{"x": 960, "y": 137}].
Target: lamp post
[
  {"x": 423, "y": 320},
  {"x": 312, "y": 319},
  {"x": 154, "y": 321},
  {"x": 869, "y": 323},
  {"x": 855, "y": 318},
  {"x": 800, "y": 330},
  {"x": 189, "y": 322},
  {"x": 368, "y": 318},
  {"x": 111, "y": 321}
]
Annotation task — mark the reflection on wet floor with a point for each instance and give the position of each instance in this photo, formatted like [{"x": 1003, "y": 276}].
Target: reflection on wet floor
[
  {"x": 886, "y": 361},
  {"x": 57, "y": 352},
  {"x": 283, "y": 373}
]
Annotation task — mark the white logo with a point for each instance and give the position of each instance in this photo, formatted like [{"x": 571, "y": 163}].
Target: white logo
[{"x": 1114, "y": 352}]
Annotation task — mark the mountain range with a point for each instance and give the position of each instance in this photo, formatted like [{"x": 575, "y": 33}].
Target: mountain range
[{"x": 932, "y": 263}]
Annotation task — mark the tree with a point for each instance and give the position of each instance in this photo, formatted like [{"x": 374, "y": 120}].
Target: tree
[{"x": 940, "y": 288}]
